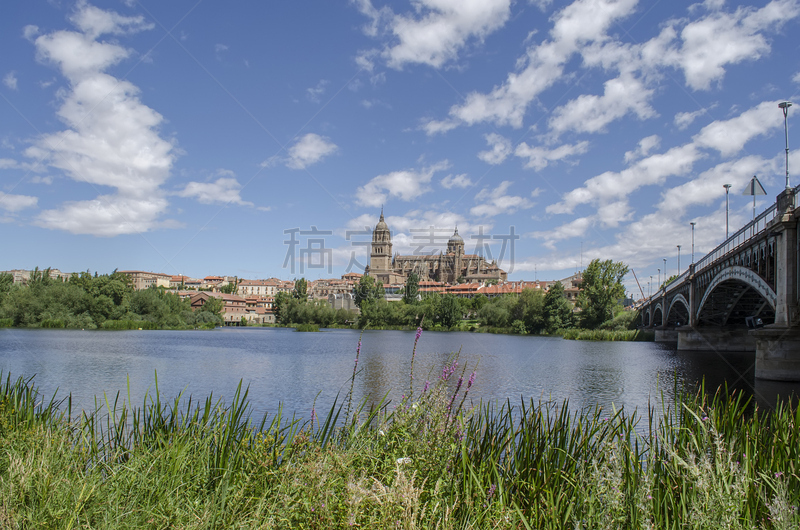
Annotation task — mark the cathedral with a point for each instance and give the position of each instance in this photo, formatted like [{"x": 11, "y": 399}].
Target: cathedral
[{"x": 451, "y": 266}]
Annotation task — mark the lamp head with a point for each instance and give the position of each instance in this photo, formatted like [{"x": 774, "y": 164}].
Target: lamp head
[{"x": 785, "y": 104}]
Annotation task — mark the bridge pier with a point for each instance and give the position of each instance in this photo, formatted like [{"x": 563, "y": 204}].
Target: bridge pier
[
  {"x": 715, "y": 339},
  {"x": 666, "y": 335},
  {"x": 777, "y": 353}
]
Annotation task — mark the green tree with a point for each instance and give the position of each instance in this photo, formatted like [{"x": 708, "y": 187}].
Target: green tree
[
  {"x": 529, "y": 309},
  {"x": 368, "y": 290},
  {"x": 280, "y": 307},
  {"x": 600, "y": 291},
  {"x": 411, "y": 290},
  {"x": 449, "y": 313},
  {"x": 557, "y": 309},
  {"x": 213, "y": 305},
  {"x": 230, "y": 288},
  {"x": 300, "y": 289}
]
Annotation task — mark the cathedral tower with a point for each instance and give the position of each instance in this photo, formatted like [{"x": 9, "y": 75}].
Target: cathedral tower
[{"x": 380, "y": 257}]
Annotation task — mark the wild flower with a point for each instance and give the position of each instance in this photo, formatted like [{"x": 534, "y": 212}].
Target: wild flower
[{"x": 413, "y": 355}]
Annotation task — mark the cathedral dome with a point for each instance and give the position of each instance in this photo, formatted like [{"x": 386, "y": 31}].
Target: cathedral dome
[
  {"x": 455, "y": 238},
  {"x": 381, "y": 224}
]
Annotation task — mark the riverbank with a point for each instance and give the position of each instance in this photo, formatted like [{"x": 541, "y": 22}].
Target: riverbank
[{"x": 431, "y": 461}]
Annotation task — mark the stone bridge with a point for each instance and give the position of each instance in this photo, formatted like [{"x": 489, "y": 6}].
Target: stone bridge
[{"x": 742, "y": 296}]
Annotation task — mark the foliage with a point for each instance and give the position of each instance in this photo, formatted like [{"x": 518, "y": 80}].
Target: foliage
[
  {"x": 411, "y": 289},
  {"x": 87, "y": 301},
  {"x": 624, "y": 320},
  {"x": 231, "y": 287},
  {"x": 368, "y": 290},
  {"x": 601, "y": 290},
  {"x": 307, "y": 327},
  {"x": 279, "y": 307},
  {"x": 557, "y": 309},
  {"x": 432, "y": 461},
  {"x": 300, "y": 289},
  {"x": 607, "y": 335}
]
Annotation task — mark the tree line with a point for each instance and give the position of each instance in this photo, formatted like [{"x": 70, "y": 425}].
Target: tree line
[
  {"x": 87, "y": 301},
  {"x": 533, "y": 311}
]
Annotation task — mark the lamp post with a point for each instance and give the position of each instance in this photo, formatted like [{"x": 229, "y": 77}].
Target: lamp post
[
  {"x": 659, "y": 279},
  {"x": 665, "y": 271},
  {"x": 679, "y": 259},
  {"x": 650, "y": 287},
  {"x": 692, "y": 223},
  {"x": 727, "y": 187},
  {"x": 784, "y": 106}
]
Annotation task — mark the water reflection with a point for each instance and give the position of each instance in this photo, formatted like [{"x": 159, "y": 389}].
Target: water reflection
[{"x": 280, "y": 365}]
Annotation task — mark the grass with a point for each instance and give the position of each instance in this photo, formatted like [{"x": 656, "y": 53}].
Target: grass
[
  {"x": 307, "y": 327},
  {"x": 430, "y": 461},
  {"x": 607, "y": 335}
]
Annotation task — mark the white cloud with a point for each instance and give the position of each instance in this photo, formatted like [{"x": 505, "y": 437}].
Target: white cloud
[
  {"x": 494, "y": 202},
  {"x": 796, "y": 78},
  {"x": 309, "y": 150},
  {"x": 730, "y": 136},
  {"x": 722, "y": 38},
  {"x": 406, "y": 185},
  {"x": 219, "y": 49},
  {"x": 701, "y": 48},
  {"x": 315, "y": 93},
  {"x": 422, "y": 232},
  {"x": 590, "y": 113},
  {"x": 437, "y": 29},
  {"x": 645, "y": 146},
  {"x": 112, "y": 138},
  {"x": 30, "y": 32},
  {"x": 10, "y": 80},
  {"x": 580, "y": 23},
  {"x": 684, "y": 119},
  {"x": 500, "y": 149},
  {"x": 456, "y": 181},
  {"x": 15, "y": 203},
  {"x": 93, "y": 21},
  {"x": 611, "y": 186},
  {"x": 574, "y": 228},
  {"x": 540, "y": 157},
  {"x": 226, "y": 190},
  {"x": 707, "y": 188}
]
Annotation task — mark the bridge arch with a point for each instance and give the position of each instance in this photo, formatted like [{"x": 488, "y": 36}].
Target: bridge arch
[
  {"x": 678, "y": 313},
  {"x": 735, "y": 293},
  {"x": 658, "y": 315},
  {"x": 646, "y": 318}
]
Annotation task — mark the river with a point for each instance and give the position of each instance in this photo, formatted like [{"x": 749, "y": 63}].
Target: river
[{"x": 283, "y": 366}]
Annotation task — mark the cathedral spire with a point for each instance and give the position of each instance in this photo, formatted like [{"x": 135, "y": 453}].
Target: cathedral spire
[{"x": 381, "y": 212}]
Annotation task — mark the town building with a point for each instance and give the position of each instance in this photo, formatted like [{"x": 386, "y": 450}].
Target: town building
[
  {"x": 144, "y": 280},
  {"x": 448, "y": 267}
]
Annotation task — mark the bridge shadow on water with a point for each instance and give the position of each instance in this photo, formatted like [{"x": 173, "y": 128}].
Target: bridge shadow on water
[{"x": 737, "y": 370}]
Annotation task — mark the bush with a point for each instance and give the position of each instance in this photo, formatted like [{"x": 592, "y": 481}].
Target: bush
[
  {"x": 307, "y": 327},
  {"x": 129, "y": 324},
  {"x": 624, "y": 320}
]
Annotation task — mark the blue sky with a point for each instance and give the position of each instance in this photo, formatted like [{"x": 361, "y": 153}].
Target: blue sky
[{"x": 194, "y": 137}]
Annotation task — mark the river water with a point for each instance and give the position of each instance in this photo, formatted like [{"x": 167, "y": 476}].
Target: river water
[{"x": 283, "y": 366}]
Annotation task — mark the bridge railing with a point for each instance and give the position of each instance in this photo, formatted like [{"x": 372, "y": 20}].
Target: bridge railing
[
  {"x": 742, "y": 236},
  {"x": 745, "y": 234}
]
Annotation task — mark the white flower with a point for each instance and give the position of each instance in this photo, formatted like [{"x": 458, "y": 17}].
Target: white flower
[
  {"x": 381, "y": 433},
  {"x": 404, "y": 460}
]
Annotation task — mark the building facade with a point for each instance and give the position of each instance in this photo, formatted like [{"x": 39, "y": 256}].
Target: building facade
[{"x": 448, "y": 267}]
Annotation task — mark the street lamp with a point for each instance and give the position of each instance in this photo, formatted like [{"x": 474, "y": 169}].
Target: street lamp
[
  {"x": 692, "y": 223},
  {"x": 679, "y": 259},
  {"x": 659, "y": 279},
  {"x": 727, "y": 187},
  {"x": 650, "y": 287},
  {"x": 784, "y": 106},
  {"x": 665, "y": 270}
]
